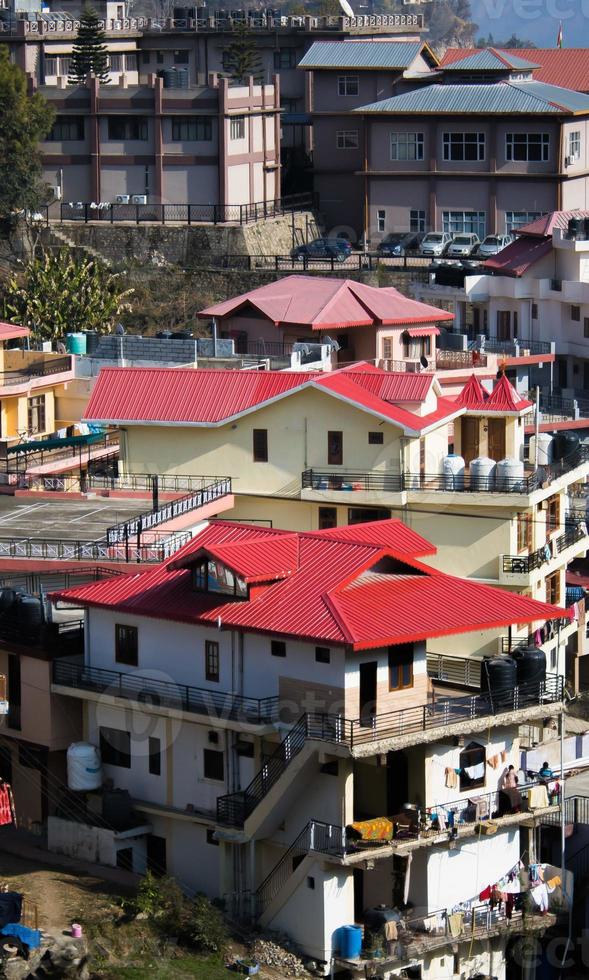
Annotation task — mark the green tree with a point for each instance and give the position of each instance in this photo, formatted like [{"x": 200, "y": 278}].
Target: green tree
[
  {"x": 89, "y": 53},
  {"x": 241, "y": 57},
  {"x": 24, "y": 120},
  {"x": 58, "y": 293}
]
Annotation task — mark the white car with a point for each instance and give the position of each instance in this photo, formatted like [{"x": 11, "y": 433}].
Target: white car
[
  {"x": 435, "y": 243},
  {"x": 493, "y": 244},
  {"x": 462, "y": 246}
]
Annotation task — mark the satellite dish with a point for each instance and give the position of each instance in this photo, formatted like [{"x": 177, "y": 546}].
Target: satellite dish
[
  {"x": 423, "y": 361},
  {"x": 346, "y": 8}
]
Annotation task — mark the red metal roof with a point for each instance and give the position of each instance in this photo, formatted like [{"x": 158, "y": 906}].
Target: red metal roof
[
  {"x": 9, "y": 331},
  {"x": 423, "y": 331},
  {"x": 322, "y": 303},
  {"x": 565, "y": 67},
  {"x": 518, "y": 256},
  {"x": 503, "y": 398},
  {"x": 193, "y": 397},
  {"x": 331, "y": 595},
  {"x": 544, "y": 226}
]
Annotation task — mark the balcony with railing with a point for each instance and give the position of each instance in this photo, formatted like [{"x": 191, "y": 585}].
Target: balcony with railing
[
  {"x": 70, "y": 677},
  {"x": 26, "y": 368},
  {"x": 517, "y": 569},
  {"x": 355, "y": 482}
]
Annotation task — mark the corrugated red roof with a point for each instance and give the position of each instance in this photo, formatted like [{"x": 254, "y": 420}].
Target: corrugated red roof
[
  {"x": 9, "y": 331},
  {"x": 423, "y": 331},
  {"x": 544, "y": 226},
  {"x": 330, "y": 596},
  {"x": 565, "y": 67},
  {"x": 323, "y": 304},
  {"x": 126, "y": 396},
  {"x": 519, "y": 256},
  {"x": 503, "y": 397}
]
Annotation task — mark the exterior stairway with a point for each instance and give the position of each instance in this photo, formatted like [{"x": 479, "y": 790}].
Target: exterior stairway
[
  {"x": 289, "y": 871},
  {"x": 289, "y": 758}
]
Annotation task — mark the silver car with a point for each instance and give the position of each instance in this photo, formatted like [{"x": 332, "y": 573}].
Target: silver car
[
  {"x": 493, "y": 244},
  {"x": 463, "y": 245},
  {"x": 435, "y": 243}
]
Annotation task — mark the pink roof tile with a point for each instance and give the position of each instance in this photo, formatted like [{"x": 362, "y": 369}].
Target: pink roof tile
[
  {"x": 322, "y": 303},
  {"x": 544, "y": 226},
  {"x": 503, "y": 398},
  {"x": 9, "y": 331},
  {"x": 564, "y": 67}
]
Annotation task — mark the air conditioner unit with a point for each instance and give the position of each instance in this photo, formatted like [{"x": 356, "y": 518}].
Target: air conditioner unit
[
  {"x": 139, "y": 199},
  {"x": 122, "y": 199}
]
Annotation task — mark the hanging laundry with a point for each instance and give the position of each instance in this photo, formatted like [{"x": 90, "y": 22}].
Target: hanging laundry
[
  {"x": 475, "y": 772},
  {"x": 504, "y": 756},
  {"x": 6, "y": 805},
  {"x": 441, "y": 819},
  {"x": 547, "y": 552},
  {"x": 538, "y": 638},
  {"x": 553, "y": 883},
  {"x": 455, "y": 923},
  {"x": 407, "y": 878},
  {"x": 493, "y": 761},
  {"x": 485, "y": 894},
  {"x": 451, "y": 779},
  {"x": 390, "y": 931},
  {"x": 540, "y": 897},
  {"x": 509, "y": 903}
]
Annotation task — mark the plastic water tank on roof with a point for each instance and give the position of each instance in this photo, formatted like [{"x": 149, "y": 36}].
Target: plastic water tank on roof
[
  {"x": 545, "y": 445},
  {"x": 482, "y": 473},
  {"x": 84, "y": 767},
  {"x": 453, "y": 472},
  {"x": 509, "y": 474}
]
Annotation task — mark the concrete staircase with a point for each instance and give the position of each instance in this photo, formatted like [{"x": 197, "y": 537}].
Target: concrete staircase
[{"x": 55, "y": 235}]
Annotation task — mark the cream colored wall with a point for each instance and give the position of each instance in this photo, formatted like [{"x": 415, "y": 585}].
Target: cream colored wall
[
  {"x": 71, "y": 400},
  {"x": 469, "y": 543},
  {"x": 297, "y": 439},
  {"x": 15, "y": 412}
]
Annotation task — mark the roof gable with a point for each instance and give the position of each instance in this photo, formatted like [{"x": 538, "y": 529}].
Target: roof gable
[
  {"x": 565, "y": 67},
  {"x": 489, "y": 59},
  {"x": 497, "y": 98},
  {"x": 365, "y": 54}
]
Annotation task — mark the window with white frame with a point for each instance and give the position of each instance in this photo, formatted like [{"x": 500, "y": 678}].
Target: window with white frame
[
  {"x": 527, "y": 147},
  {"x": 463, "y": 146},
  {"x": 416, "y": 220},
  {"x": 380, "y": 220},
  {"x": 406, "y": 146},
  {"x": 464, "y": 222},
  {"x": 237, "y": 127},
  {"x": 348, "y": 85},
  {"x": 575, "y": 145},
  {"x": 347, "y": 139},
  {"x": 115, "y": 62},
  {"x": 64, "y": 65},
  {"x": 50, "y": 66},
  {"x": 516, "y": 219}
]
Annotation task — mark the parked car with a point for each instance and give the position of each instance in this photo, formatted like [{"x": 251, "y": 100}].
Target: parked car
[
  {"x": 400, "y": 243},
  {"x": 493, "y": 244},
  {"x": 463, "y": 245},
  {"x": 323, "y": 248},
  {"x": 435, "y": 243}
]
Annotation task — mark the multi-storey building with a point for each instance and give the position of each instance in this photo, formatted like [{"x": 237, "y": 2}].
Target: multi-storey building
[
  {"x": 216, "y": 145},
  {"x": 292, "y": 713},
  {"x": 312, "y": 451},
  {"x": 480, "y": 147}
]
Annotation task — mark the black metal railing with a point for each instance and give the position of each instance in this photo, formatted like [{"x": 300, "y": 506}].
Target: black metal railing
[
  {"x": 465, "y": 671},
  {"x": 57, "y": 365},
  {"x": 235, "y": 808},
  {"x": 133, "y": 528},
  {"x": 498, "y": 345},
  {"x": 339, "y": 261},
  {"x": 524, "y": 564},
  {"x": 324, "y": 838},
  {"x": 443, "y": 712},
  {"x": 188, "y": 214},
  {"x": 159, "y": 547},
  {"x": 157, "y": 693},
  {"x": 463, "y": 482}
]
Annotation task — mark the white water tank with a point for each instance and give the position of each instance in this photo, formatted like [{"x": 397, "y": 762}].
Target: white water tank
[
  {"x": 84, "y": 767},
  {"x": 545, "y": 441},
  {"x": 482, "y": 473},
  {"x": 509, "y": 474},
  {"x": 453, "y": 472}
]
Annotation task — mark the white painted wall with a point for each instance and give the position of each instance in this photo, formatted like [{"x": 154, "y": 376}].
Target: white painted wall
[
  {"x": 313, "y": 916},
  {"x": 441, "y": 755},
  {"x": 455, "y": 876}
]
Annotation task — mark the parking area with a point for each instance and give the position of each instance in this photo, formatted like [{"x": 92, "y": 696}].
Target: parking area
[{"x": 23, "y": 518}]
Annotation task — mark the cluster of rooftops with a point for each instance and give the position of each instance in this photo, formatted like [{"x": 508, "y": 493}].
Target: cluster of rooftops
[{"x": 499, "y": 81}]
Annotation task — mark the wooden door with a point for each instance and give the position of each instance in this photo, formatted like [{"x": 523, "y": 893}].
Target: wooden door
[
  {"x": 496, "y": 438},
  {"x": 469, "y": 445}
]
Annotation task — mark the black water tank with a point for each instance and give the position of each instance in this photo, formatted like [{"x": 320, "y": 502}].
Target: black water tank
[
  {"x": 116, "y": 808},
  {"x": 28, "y": 613},
  {"x": 530, "y": 664},
  {"x": 182, "y": 78},
  {"x": 564, "y": 444},
  {"x": 586, "y": 228},
  {"x": 377, "y": 917},
  {"x": 7, "y": 600},
  {"x": 92, "y": 340},
  {"x": 499, "y": 678}
]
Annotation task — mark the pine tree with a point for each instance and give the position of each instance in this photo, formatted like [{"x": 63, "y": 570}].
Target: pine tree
[
  {"x": 241, "y": 57},
  {"x": 89, "y": 52}
]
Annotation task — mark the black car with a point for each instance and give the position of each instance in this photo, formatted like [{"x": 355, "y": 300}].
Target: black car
[
  {"x": 400, "y": 243},
  {"x": 323, "y": 248}
]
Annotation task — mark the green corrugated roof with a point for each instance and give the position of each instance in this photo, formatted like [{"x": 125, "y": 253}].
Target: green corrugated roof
[
  {"x": 527, "y": 96},
  {"x": 30, "y": 447},
  {"x": 361, "y": 54}
]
